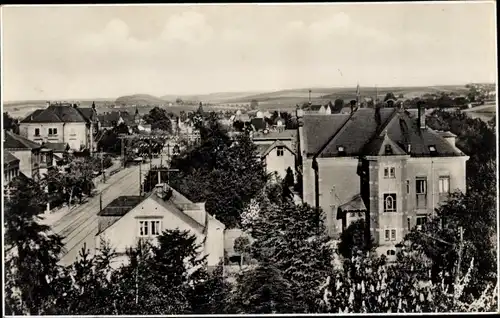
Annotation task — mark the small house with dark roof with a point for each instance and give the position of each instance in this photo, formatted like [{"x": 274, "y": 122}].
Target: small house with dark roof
[
  {"x": 61, "y": 123},
  {"x": 128, "y": 219},
  {"x": 34, "y": 159},
  {"x": 109, "y": 120},
  {"x": 384, "y": 165}
]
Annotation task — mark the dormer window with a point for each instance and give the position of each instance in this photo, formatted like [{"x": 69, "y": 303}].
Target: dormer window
[
  {"x": 341, "y": 150},
  {"x": 432, "y": 149},
  {"x": 388, "y": 150}
]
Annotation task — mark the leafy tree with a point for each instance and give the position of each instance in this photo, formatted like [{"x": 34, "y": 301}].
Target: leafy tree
[
  {"x": 179, "y": 101},
  {"x": 242, "y": 247},
  {"x": 338, "y": 105},
  {"x": 10, "y": 123},
  {"x": 353, "y": 239},
  {"x": 389, "y": 96},
  {"x": 32, "y": 252},
  {"x": 158, "y": 119},
  {"x": 289, "y": 178},
  {"x": 211, "y": 296},
  {"x": 238, "y": 125},
  {"x": 262, "y": 290},
  {"x": 219, "y": 171},
  {"x": 254, "y": 104},
  {"x": 401, "y": 96},
  {"x": 294, "y": 240}
]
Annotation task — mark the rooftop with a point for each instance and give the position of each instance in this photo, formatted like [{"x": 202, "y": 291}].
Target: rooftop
[
  {"x": 285, "y": 134},
  {"x": 56, "y": 114},
  {"x": 9, "y": 158},
  {"x": 13, "y": 141}
]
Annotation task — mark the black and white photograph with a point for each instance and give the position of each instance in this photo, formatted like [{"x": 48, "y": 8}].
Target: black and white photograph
[{"x": 249, "y": 158}]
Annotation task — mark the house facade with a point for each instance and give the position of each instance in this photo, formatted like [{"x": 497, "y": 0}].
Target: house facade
[
  {"x": 384, "y": 165},
  {"x": 277, "y": 150},
  {"x": 61, "y": 123},
  {"x": 34, "y": 160},
  {"x": 10, "y": 167},
  {"x": 129, "y": 219}
]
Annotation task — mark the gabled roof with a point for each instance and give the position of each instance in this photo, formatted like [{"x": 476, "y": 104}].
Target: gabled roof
[
  {"x": 313, "y": 108},
  {"x": 286, "y": 134},
  {"x": 378, "y": 147},
  {"x": 9, "y": 158},
  {"x": 55, "y": 114},
  {"x": 13, "y": 141},
  {"x": 111, "y": 118},
  {"x": 264, "y": 151},
  {"x": 121, "y": 205},
  {"x": 318, "y": 129},
  {"x": 355, "y": 204}
]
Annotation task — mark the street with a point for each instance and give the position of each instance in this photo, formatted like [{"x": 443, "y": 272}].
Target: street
[{"x": 79, "y": 226}]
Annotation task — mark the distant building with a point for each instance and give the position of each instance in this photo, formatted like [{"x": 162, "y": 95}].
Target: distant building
[
  {"x": 128, "y": 219},
  {"x": 277, "y": 150},
  {"x": 383, "y": 165},
  {"x": 34, "y": 160},
  {"x": 109, "y": 120},
  {"x": 64, "y": 123}
]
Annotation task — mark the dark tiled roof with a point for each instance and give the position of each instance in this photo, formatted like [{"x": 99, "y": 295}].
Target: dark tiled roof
[
  {"x": 111, "y": 119},
  {"x": 318, "y": 129},
  {"x": 285, "y": 134},
  {"x": 356, "y": 132},
  {"x": 55, "y": 114},
  {"x": 13, "y": 141},
  {"x": 56, "y": 146},
  {"x": 258, "y": 123},
  {"x": 314, "y": 108},
  {"x": 420, "y": 139},
  {"x": 9, "y": 158},
  {"x": 88, "y": 113},
  {"x": 261, "y": 149},
  {"x": 121, "y": 205}
]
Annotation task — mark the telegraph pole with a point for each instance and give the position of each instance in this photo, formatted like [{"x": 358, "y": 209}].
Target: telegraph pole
[{"x": 140, "y": 180}]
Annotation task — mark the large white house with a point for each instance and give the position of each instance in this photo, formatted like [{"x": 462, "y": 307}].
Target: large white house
[{"x": 128, "y": 219}]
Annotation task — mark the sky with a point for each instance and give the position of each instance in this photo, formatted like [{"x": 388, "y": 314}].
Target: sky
[{"x": 69, "y": 52}]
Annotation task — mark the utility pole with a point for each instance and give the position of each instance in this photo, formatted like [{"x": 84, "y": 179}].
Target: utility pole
[
  {"x": 100, "y": 202},
  {"x": 140, "y": 180},
  {"x": 123, "y": 151}
]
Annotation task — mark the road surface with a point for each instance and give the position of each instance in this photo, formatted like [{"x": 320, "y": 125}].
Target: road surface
[{"x": 79, "y": 226}]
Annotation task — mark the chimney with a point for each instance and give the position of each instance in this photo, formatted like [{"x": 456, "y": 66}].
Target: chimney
[
  {"x": 160, "y": 190},
  {"x": 421, "y": 116},
  {"x": 450, "y": 138}
]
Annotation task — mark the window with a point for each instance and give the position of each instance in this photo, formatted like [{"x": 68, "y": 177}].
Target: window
[
  {"x": 409, "y": 224},
  {"x": 37, "y": 131},
  {"x": 432, "y": 149},
  {"x": 393, "y": 234},
  {"x": 388, "y": 150},
  {"x": 143, "y": 228},
  {"x": 421, "y": 220},
  {"x": 407, "y": 186},
  {"x": 341, "y": 150},
  {"x": 390, "y": 202},
  {"x": 387, "y": 235},
  {"x": 391, "y": 252},
  {"x": 149, "y": 228},
  {"x": 390, "y": 173},
  {"x": 280, "y": 151},
  {"x": 421, "y": 191},
  {"x": 54, "y": 130},
  {"x": 444, "y": 185},
  {"x": 155, "y": 227}
]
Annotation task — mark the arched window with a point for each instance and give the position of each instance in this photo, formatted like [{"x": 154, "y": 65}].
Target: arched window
[{"x": 390, "y": 202}]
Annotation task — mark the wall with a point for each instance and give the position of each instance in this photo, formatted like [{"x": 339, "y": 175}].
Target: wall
[
  {"x": 214, "y": 245},
  {"x": 308, "y": 191},
  {"x": 280, "y": 163},
  {"x": 26, "y": 162},
  {"x": 338, "y": 183},
  {"x": 10, "y": 172},
  {"x": 75, "y": 134}
]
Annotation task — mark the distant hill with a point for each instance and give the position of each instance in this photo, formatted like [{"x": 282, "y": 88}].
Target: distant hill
[
  {"x": 139, "y": 99},
  {"x": 212, "y": 97}
]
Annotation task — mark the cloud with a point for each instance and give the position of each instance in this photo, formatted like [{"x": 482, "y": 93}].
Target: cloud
[{"x": 189, "y": 27}]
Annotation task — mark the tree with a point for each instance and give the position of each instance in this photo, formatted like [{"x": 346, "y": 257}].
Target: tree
[
  {"x": 289, "y": 180},
  {"x": 262, "y": 290},
  {"x": 219, "y": 171},
  {"x": 242, "y": 247},
  {"x": 401, "y": 96},
  {"x": 353, "y": 239},
  {"x": 293, "y": 239},
  {"x": 389, "y": 96},
  {"x": 254, "y": 104},
  {"x": 338, "y": 105},
  {"x": 179, "y": 101},
  {"x": 32, "y": 252},
  {"x": 212, "y": 295},
  {"x": 159, "y": 119},
  {"x": 10, "y": 123}
]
